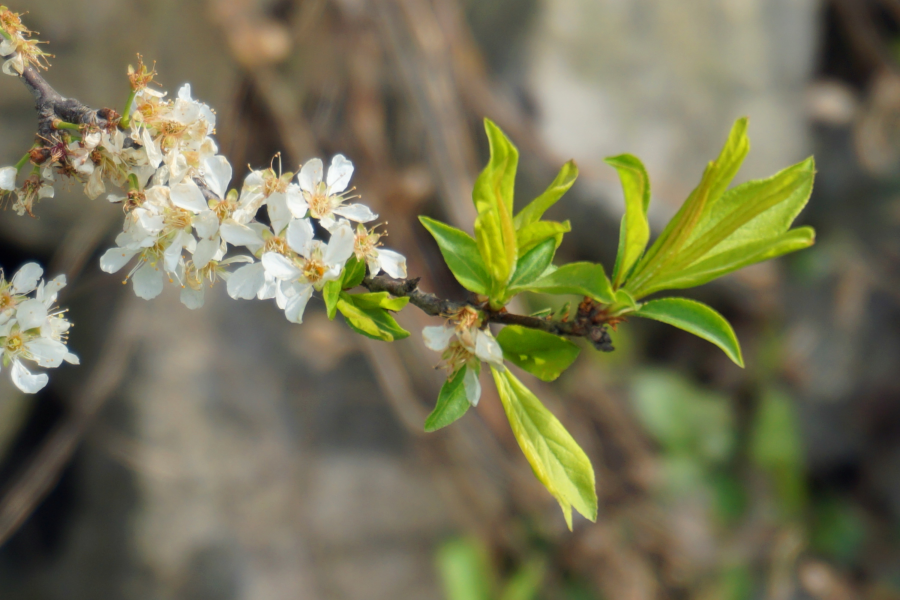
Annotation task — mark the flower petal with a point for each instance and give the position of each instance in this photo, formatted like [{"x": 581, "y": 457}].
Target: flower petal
[
  {"x": 115, "y": 258},
  {"x": 148, "y": 281},
  {"x": 206, "y": 249},
  {"x": 26, "y": 278},
  {"x": 340, "y": 246},
  {"x": 245, "y": 282},
  {"x": 487, "y": 348},
  {"x": 300, "y": 236},
  {"x": 339, "y": 174},
  {"x": 187, "y": 195},
  {"x": 47, "y": 353},
  {"x": 217, "y": 174},
  {"x": 31, "y": 314},
  {"x": 8, "y": 178},
  {"x": 310, "y": 175},
  {"x": 472, "y": 386},
  {"x": 438, "y": 337},
  {"x": 279, "y": 215},
  {"x": 25, "y": 381},
  {"x": 296, "y": 203},
  {"x": 356, "y": 212},
  {"x": 296, "y": 304},
  {"x": 240, "y": 235},
  {"x": 280, "y": 267},
  {"x": 192, "y": 298},
  {"x": 392, "y": 263}
]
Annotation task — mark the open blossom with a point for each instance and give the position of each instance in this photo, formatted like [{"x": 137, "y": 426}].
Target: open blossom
[
  {"x": 8, "y": 179},
  {"x": 30, "y": 328},
  {"x": 464, "y": 344},
  {"x": 367, "y": 248},
  {"x": 326, "y": 197}
]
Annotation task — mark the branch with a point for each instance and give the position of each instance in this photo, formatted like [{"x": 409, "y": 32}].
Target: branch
[{"x": 589, "y": 322}]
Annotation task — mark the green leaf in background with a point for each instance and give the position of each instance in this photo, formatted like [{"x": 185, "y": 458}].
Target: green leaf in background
[
  {"x": 738, "y": 258},
  {"x": 465, "y": 570},
  {"x": 715, "y": 180},
  {"x": 581, "y": 279},
  {"x": 536, "y": 209},
  {"x": 461, "y": 254},
  {"x": 354, "y": 273},
  {"x": 533, "y": 263},
  {"x": 496, "y": 240},
  {"x": 697, "y": 318},
  {"x": 557, "y": 460},
  {"x": 776, "y": 447},
  {"x": 542, "y": 354},
  {"x": 634, "y": 232},
  {"x": 331, "y": 293},
  {"x": 526, "y": 582},
  {"x": 378, "y": 300},
  {"x": 497, "y": 181},
  {"x": 375, "y": 323},
  {"x": 451, "y": 403},
  {"x": 533, "y": 234}
]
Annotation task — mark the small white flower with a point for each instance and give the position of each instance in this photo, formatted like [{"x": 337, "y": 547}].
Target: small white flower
[
  {"x": 367, "y": 248},
  {"x": 326, "y": 198},
  {"x": 8, "y": 179},
  {"x": 464, "y": 344}
]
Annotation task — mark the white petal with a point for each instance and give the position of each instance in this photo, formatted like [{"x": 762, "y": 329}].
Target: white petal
[
  {"x": 339, "y": 174},
  {"x": 217, "y": 174},
  {"x": 8, "y": 178},
  {"x": 72, "y": 359},
  {"x": 280, "y": 267},
  {"x": 240, "y": 235},
  {"x": 245, "y": 282},
  {"x": 356, "y": 212},
  {"x": 310, "y": 175},
  {"x": 47, "y": 353},
  {"x": 438, "y": 337},
  {"x": 172, "y": 255},
  {"x": 31, "y": 314},
  {"x": 296, "y": 304},
  {"x": 192, "y": 298},
  {"x": 472, "y": 386},
  {"x": 393, "y": 263},
  {"x": 187, "y": 195},
  {"x": 340, "y": 246},
  {"x": 279, "y": 215},
  {"x": 184, "y": 92},
  {"x": 25, "y": 381},
  {"x": 206, "y": 224},
  {"x": 205, "y": 251},
  {"x": 148, "y": 281},
  {"x": 154, "y": 154},
  {"x": 26, "y": 278},
  {"x": 115, "y": 258},
  {"x": 487, "y": 348},
  {"x": 300, "y": 236},
  {"x": 296, "y": 203}
]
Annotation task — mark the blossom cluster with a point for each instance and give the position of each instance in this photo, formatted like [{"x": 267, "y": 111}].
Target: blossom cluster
[
  {"x": 16, "y": 45},
  {"x": 182, "y": 221},
  {"x": 31, "y": 327}
]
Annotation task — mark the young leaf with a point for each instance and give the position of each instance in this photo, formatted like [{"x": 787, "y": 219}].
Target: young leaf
[
  {"x": 697, "y": 318},
  {"x": 451, "y": 403},
  {"x": 461, "y": 254},
  {"x": 331, "y": 293},
  {"x": 465, "y": 570},
  {"x": 536, "y": 209},
  {"x": 378, "y": 300},
  {"x": 533, "y": 263},
  {"x": 533, "y": 234},
  {"x": 496, "y": 240},
  {"x": 375, "y": 323},
  {"x": 634, "y": 232},
  {"x": 715, "y": 181},
  {"x": 734, "y": 259},
  {"x": 557, "y": 460},
  {"x": 526, "y": 583},
  {"x": 542, "y": 354},
  {"x": 497, "y": 181},
  {"x": 354, "y": 273},
  {"x": 581, "y": 279}
]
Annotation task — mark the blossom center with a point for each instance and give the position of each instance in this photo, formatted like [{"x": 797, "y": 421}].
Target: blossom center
[
  {"x": 14, "y": 343},
  {"x": 314, "y": 269},
  {"x": 277, "y": 244},
  {"x": 6, "y": 301},
  {"x": 178, "y": 218}
]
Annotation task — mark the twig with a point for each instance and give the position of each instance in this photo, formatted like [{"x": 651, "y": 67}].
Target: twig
[{"x": 590, "y": 321}]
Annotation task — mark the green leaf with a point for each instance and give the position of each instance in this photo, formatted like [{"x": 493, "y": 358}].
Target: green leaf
[
  {"x": 715, "y": 181},
  {"x": 378, "y": 300},
  {"x": 461, "y": 254},
  {"x": 697, "y": 318},
  {"x": 634, "y": 232},
  {"x": 331, "y": 293},
  {"x": 556, "y": 459},
  {"x": 465, "y": 570},
  {"x": 737, "y": 258},
  {"x": 533, "y": 263},
  {"x": 496, "y": 240},
  {"x": 542, "y": 354},
  {"x": 776, "y": 447},
  {"x": 354, "y": 273},
  {"x": 536, "y": 209},
  {"x": 533, "y": 234},
  {"x": 375, "y": 323},
  {"x": 451, "y": 403},
  {"x": 581, "y": 279},
  {"x": 497, "y": 181}
]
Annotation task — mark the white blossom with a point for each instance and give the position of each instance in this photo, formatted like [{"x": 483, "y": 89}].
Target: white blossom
[
  {"x": 8, "y": 179},
  {"x": 326, "y": 197}
]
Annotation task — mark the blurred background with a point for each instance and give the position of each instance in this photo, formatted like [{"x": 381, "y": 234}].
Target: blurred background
[{"x": 224, "y": 454}]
